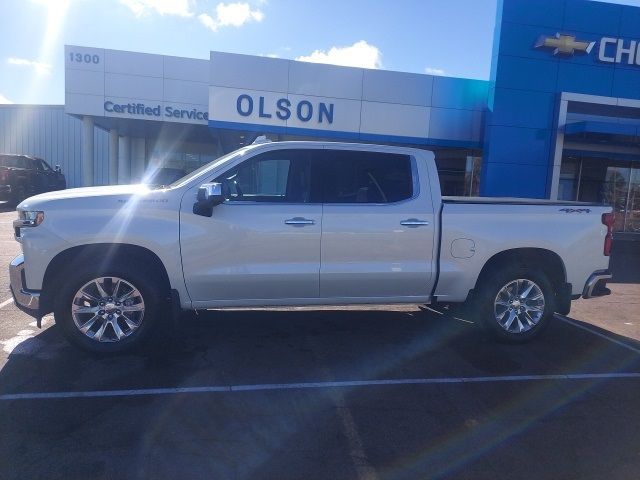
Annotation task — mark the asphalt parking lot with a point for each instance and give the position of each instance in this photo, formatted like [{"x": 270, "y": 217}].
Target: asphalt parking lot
[{"x": 384, "y": 393}]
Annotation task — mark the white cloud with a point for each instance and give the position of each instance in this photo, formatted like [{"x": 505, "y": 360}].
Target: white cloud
[
  {"x": 40, "y": 68},
  {"x": 4, "y": 99},
  {"x": 208, "y": 22},
  {"x": 360, "y": 54},
  {"x": 434, "y": 71},
  {"x": 231, "y": 15},
  {"x": 140, "y": 8}
]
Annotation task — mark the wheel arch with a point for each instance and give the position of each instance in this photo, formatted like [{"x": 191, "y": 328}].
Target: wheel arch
[
  {"x": 70, "y": 259},
  {"x": 536, "y": 258}
]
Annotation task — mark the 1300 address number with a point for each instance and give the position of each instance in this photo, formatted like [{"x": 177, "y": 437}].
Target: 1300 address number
[{"x": 86, "y": 58}]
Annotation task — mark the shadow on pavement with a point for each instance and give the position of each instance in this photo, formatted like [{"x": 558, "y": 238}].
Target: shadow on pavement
[
  {"x": 488, "y": 430},
  {"x": 287, "y": 346}
]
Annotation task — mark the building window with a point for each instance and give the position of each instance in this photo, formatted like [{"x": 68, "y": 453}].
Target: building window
[
  {"x": 180, "y": 156},
  {"x": 632, "y": 218},
  {"x": 606, "y": 181},
  {"x": 569, "y": 176},
  {"x": 459, "y": 172}
]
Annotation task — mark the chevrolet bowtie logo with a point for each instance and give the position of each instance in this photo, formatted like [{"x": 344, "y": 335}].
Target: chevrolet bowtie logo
[{"x": 564, "y": 44}]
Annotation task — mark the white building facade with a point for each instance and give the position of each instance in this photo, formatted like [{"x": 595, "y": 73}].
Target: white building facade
[{"x": 162, "y": 111}]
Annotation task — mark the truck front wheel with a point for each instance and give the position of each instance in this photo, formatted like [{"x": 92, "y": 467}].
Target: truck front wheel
[
  {"x": 516, "y": 303},
  {"x": 109, "y": 310}
]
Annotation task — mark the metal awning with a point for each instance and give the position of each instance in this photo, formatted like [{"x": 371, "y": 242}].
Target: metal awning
[
  {"x": 625, "y": 157},
  {"x": 597, "y": 132}
]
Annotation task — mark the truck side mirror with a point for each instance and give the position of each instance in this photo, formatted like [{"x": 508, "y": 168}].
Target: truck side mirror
[
  {"x": 209, "y": 195},
  {"x": 57, "y": 169}
]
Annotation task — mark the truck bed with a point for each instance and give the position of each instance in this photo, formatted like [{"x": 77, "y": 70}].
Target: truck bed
[{"x": 475, "y": 229}]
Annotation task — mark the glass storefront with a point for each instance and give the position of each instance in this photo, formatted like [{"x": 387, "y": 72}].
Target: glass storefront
[
  {"x": 632, "y": 217},
  {"x": 184, "y": 156},
  {"x": 606, "y": 181},
  {"x": 459, "y": 172},
  {"x": 458, "y": 168}
]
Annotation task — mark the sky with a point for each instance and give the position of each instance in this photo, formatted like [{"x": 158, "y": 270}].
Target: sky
[{"x": 439, "y": 37}]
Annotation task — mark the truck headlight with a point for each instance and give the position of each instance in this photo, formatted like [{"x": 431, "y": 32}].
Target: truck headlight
[{"x": 30, "y": 218}]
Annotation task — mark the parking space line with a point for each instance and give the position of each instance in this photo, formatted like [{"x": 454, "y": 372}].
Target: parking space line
[
  {"x": 314, "y": 385},
  {"x": 6, "y": 302},
  {"x": 601, "y": 335},
  {"x": 364, "y": 468}
]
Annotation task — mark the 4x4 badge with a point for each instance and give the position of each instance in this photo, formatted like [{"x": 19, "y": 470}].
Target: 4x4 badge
[{"x": 576, "y": 210}]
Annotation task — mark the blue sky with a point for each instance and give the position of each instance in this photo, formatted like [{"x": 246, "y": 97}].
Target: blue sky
[{"x": 447, "y": 37}]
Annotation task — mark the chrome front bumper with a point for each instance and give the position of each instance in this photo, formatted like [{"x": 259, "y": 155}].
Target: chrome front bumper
[
  {"x": 596, "y": 286},
  {"x": 26, "y": 300}
]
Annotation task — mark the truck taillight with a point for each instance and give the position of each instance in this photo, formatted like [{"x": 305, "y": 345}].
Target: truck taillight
[
  {"x": 608, "y": 219},
  {"x": 3, "y": 175}
]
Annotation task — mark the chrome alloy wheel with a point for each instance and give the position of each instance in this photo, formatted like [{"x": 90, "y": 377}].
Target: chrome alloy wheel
[
  {"x": 107, "y": 309},
  {"x": 519, "y": 306}
]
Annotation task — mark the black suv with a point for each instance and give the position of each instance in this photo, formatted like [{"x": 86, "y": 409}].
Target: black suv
[{"x": 22, "y": 176}]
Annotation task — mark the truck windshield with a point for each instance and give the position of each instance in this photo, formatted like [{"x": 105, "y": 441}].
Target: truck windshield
[{"x": 213, "y": 164}]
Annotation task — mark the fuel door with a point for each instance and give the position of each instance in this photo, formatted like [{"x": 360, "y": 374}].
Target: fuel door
[{"x": 463, "y": 248}]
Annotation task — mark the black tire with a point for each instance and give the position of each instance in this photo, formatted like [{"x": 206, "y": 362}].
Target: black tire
[
  {"x": 485, "y": 302},
  {"x": 137, "y": 274}
]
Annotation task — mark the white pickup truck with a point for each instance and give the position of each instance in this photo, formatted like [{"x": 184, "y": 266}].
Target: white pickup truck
[{"x": 301, "y": 223}]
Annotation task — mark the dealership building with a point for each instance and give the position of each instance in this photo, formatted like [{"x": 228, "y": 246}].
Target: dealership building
[{"x": 559, "y": 117}]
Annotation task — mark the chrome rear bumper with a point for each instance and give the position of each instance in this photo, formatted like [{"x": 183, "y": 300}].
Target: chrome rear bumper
[
  {"x": 26, "y": 300},
  {"x": 596, "y": 286}
]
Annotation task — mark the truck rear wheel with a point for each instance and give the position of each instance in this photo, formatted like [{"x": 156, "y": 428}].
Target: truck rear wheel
[
  {"x": 516, "y": 303},
  {"x": 109, "y": 310}
]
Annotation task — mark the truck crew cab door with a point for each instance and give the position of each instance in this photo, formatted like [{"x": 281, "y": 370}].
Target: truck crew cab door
[
  {"x": 377, "y": 228},
  {"x": 262, "y": 245}
]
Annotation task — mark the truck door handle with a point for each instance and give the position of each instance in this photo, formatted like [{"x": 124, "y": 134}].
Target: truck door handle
[
  {"x": 299, "y": 221},
  {"x": 414, "y": 222}
]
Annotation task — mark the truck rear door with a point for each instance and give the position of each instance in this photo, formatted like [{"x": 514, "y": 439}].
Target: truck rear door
[{"x": 377, "y": 227}]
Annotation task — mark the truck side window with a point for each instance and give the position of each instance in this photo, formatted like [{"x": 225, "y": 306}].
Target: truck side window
[
  {"x": 278, "y": 176},
  {"x": 366, "y": 177},
  {"x": 42, "y": 165}
]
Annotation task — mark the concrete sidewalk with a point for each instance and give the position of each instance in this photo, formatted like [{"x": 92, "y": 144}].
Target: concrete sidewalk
[{"x": 619, "y": 312}]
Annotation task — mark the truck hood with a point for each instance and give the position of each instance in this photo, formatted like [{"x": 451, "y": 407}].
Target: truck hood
[{"x": 91, "y": 195}]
